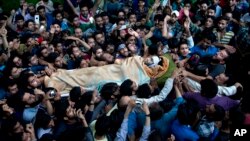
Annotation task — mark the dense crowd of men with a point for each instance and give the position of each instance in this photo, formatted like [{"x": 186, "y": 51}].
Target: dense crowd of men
[{"x": 205, "y": 98}]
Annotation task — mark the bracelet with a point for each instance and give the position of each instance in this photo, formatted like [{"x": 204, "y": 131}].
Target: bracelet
[{"x": 147, "y": 115}]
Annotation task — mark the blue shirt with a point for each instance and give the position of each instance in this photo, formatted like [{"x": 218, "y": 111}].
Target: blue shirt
[
  {"x": 163, "y": 125},
  {"x": 183, "y": 132},
  {"x": 209, "y": 52}
]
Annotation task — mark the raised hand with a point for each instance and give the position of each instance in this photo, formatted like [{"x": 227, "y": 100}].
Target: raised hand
[
  {"x": 167, "y": 18},
  {"x": 186, "y": 11},
  {"x": 187, "y": 23}
]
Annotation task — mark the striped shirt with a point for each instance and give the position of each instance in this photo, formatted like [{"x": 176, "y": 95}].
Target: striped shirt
[{"x": 225, "y": 39}]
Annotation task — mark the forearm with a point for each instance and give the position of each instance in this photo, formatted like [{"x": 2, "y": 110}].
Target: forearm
[
  {"x": 86, "y": 46},
  {"x": 72, "y": 7},
  {"x": 5, "y": 42},
  {"x": 195, "y": 77},
  {"x": 10, "y": 24}
]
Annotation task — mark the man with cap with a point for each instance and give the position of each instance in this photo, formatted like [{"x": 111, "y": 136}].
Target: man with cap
[
  {"x": 122, "y": 53},
  {"x": 171, "y": 28}
]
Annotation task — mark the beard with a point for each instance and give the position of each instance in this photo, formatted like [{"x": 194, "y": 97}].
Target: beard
[{"x": 39, "y": 99}]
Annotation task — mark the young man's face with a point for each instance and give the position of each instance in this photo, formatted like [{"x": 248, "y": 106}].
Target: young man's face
[
  {"x": 99, "y": 22},
  {"x": 13, "y": 89},
  {"x": 76, "y": 22},
  {"x": 211, "y": 12},
  {"x": 20, "y": 23},
  {"x": 100, "y": 39},
  {"x": 91, "y": 42},
  {"x": 42, "y": 12},
  {"x": 59, "y": 62},
  {"x": 34, "y": 82},
  {"x": 132, "y": 18},
  {"x": 105, "y": 19},
  {"x": 59, "y": 17},
  {"x": 85, "y": 11},
  {"x": 18, "y": 62},
  {"x": 78, "y": 33},
  {"x": 57, "y": 28},
  {"x": 184, "y": 50},
  {"x": 34, "y": 60},
  {"x": 174, "y": 18},
  {"x": 221, "y": 79},
  {"x": 204, "y": 7},
  {"x": 222, "y": 25},
  {"x": 209, "y": 23},
  {"x": 232, "y": 2},
  {"x": 76, "y": 52},
  {"x": 221, "y": 55}
]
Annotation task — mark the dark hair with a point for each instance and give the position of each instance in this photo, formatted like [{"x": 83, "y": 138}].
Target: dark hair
[
  {"x": 223, "y": 18},
  {"x": 155, "y": 136},
  {"x": 8, "y": 124},
  {"x": 119, "y": 19},
  {"x": 2, "y": 17},
  {"x": 102, "y": 125},
  {"x": 19, "y": 17},
  {"x": 125, "y": 88},
  {"x": 26, "y": 24},
  {"x": 97, "y": 16},
  {"x": 187, "y": 112},
  {"x": 95, "y": 48},
  {"x": 209, "y": 88},
  {"x": 218, "y": 114},
  {"x": 131, "y": 13},
  {"x": 203, "y": 1},
  {"x": 144, "y": 91},
  {"x": 75, "y": 93},
  {"x": 42, "y": 120},
  {"x": 40, "y": 7},
  {"x": 87, "y": 96},
  {"x": 153, "y": 49},
  {"x": 156, "y": 111},
  {"x": 108, "y": 90},
  {"x": 208, "y": 35},
  {"x": 159, "y": 17},
  {"x": 213, "y": 7},
  {"x": 39, "y": 51},
  {"x": 104, "y": 14},
  {"x": 52, "y": 57}
]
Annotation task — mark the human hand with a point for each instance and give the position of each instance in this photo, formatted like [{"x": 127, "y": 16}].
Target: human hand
[
  {"x": 187, "y": 24},
  {"x": 30, "y": 128},
  {"x": 167, "y": 18},
  {"x": 186, "y": 11},
  {"x": 175, "y": 73},
  {"x": 231, "y": 49},
  {"x": 52, "y": 29},
  {"x": 7, "y": 109},
  {"x": 25, "y": 6},
  {"x": 79, "y": 114},
  {"x": 12, "y": 12}
]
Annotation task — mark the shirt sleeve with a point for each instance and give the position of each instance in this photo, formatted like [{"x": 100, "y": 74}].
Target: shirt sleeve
[
  {"x": 163, "y": 94},
  {"x": 194, "y": 85},
  {"x": 121, "y": 135},
  {"x": 190, "y": 42},
  {"x": 227, "y": 91},
  {"x": 145, "y": 133}
]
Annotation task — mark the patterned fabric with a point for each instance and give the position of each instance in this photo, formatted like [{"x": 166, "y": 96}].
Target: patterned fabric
[
  {"x": 205, "y": 127},
  {"x": 243, "y": 40},
  {"x": 224, "y": 39}
]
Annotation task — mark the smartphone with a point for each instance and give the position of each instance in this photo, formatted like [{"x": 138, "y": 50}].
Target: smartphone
[{"x": 37, "y": 19}]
